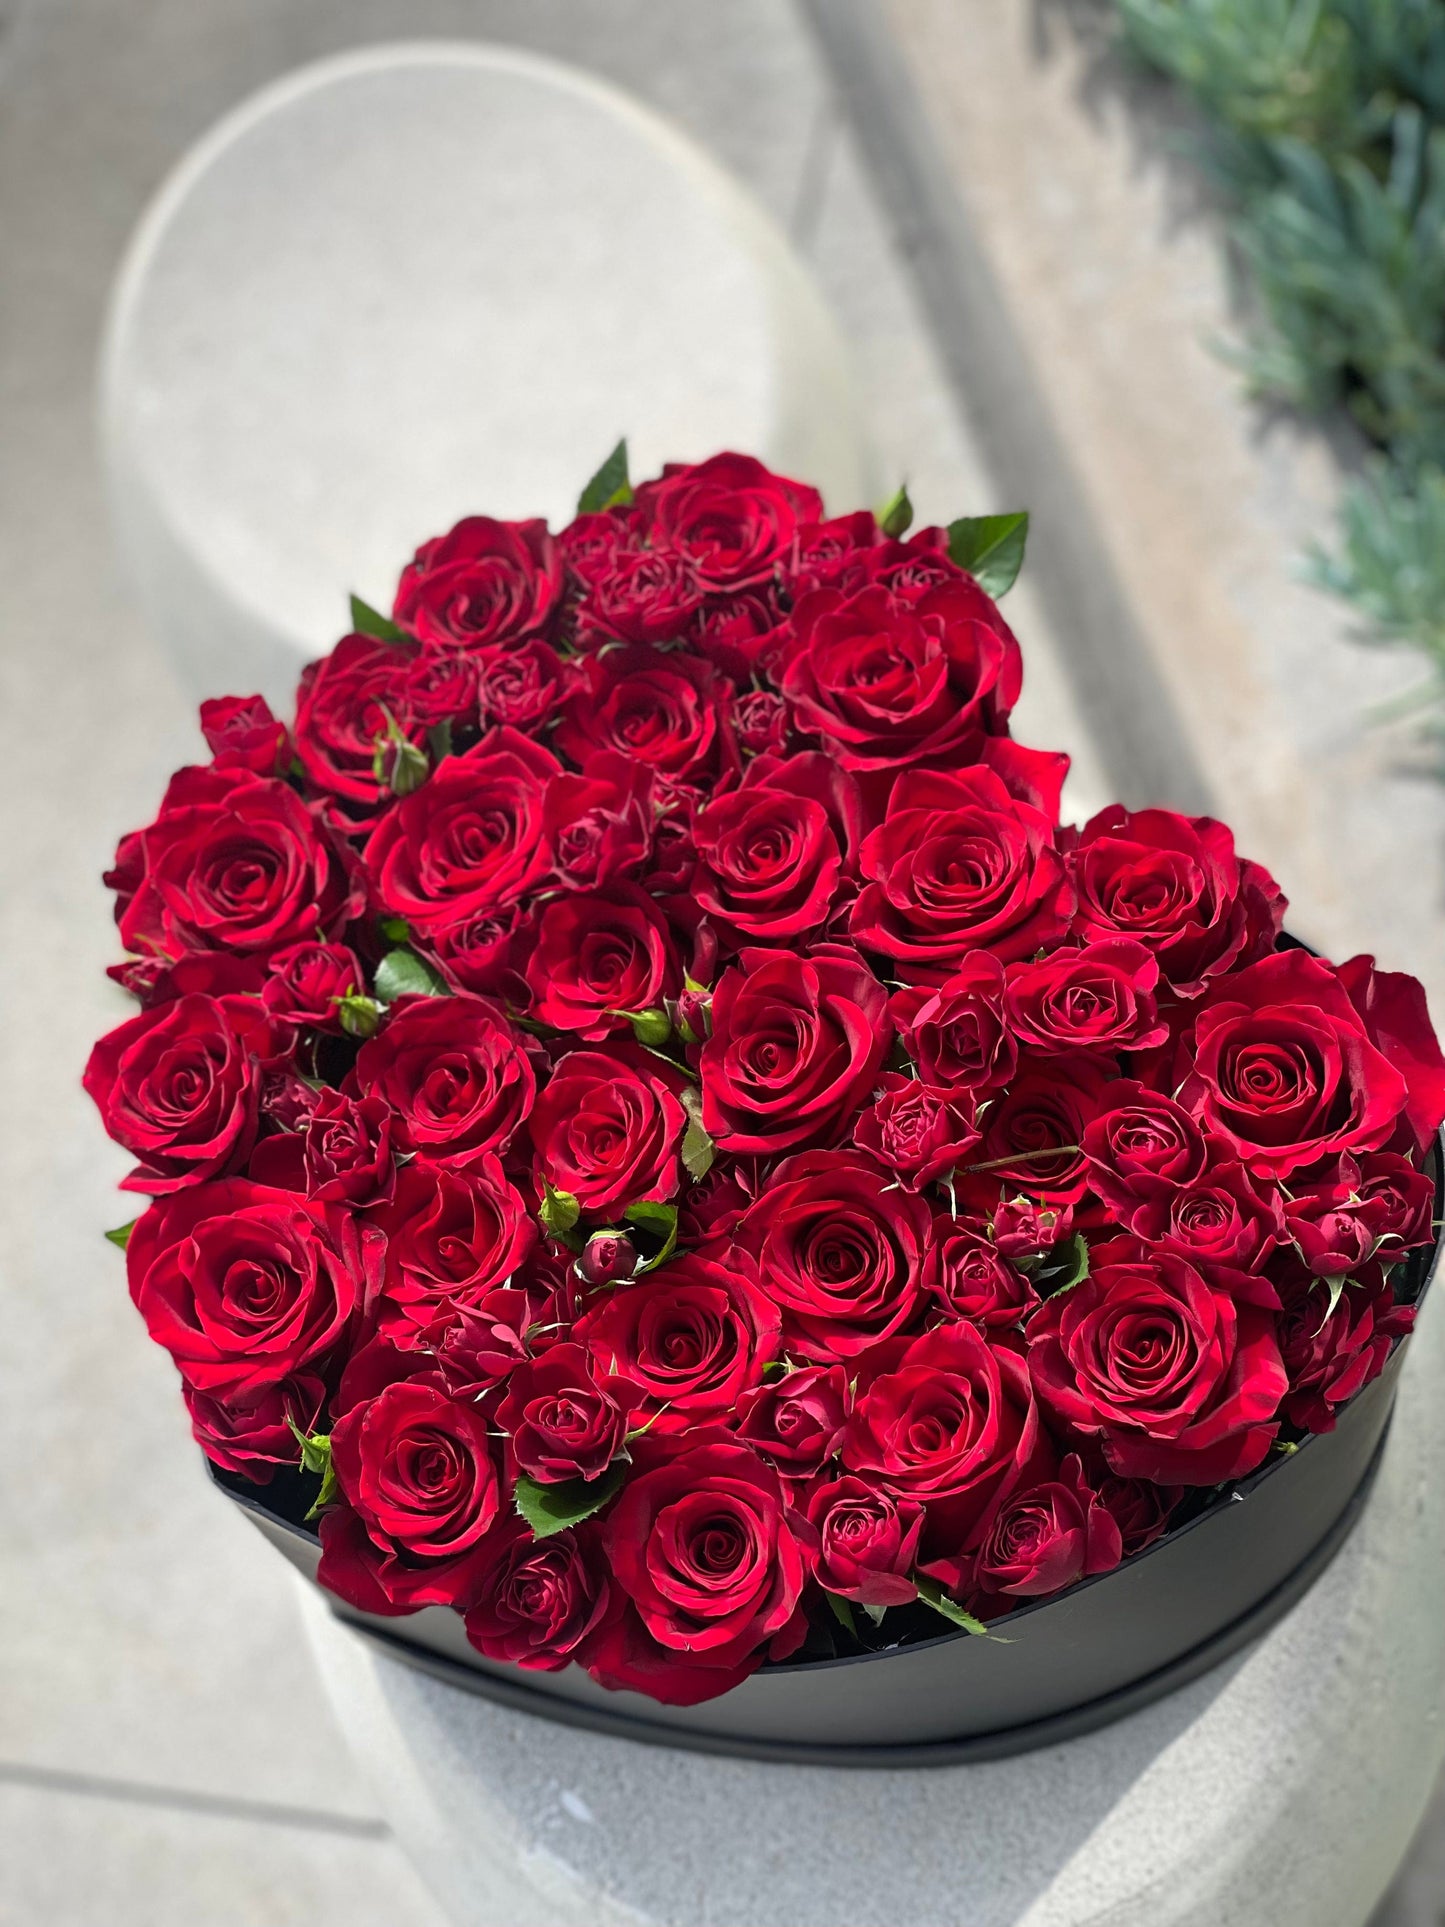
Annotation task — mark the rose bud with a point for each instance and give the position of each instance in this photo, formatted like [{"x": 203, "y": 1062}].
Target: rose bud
[
  {"x": 308, "y": 982},
  {"x": 797, "y": 1420},
  {"x": 348, "y": 1150},
  {"x": 607, "y": 1255},
  {"x": 1023, "y": 1229},
  {"x": 1331, "y": 1351},
  {"x": 1335, "y": 1228},
  {"x": 241, "y": 733},
  {"x": 692, "y": 1014},
  {"x": 867, "y": 1542},
  {"x": 563, "y": 1420}
]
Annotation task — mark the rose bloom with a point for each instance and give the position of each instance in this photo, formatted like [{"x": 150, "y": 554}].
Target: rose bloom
[
  {"x": 483, "y": 582},
  {"x": 968, "y": 1277},
  {"x": 729, "y": 518},
  {"x": 840, "y": 1246},
  {"x": 646, "y": 596},
  {"x": 1030, "y": 1131},
  {"x": 1141, "y": 1147},
  {"x": 241, "y": 733},
  {"x": 562, "y": 1420},
  {"x": 246, "y": 1286},
  {"x": 454, "y": 1072},
  {"x": 890, "y": 681},
  {"x": 519, "y": 684},
  {"x": 452, "y": 1233},
  {"x": 867, "y": 1542},
  {"x": 469, "y": 841},
  {"x": 233, "y": 862},
  {"x": 179, "y": 1086},
  {"x": 535, "y": 1602},
  {"x": 1174, "y": 884},
  {"x": 668, "y": 711},
  {"x": 599, "y": 822},
  {"x": 251, "y": 1435},
  {"x": 959, "y": 864},
  {"x": 1331, "y": 1353},
  {"x": 1179, "y": 1380},
  {"x": 796, "y": 1043},
  {"x": 703, "y": 1543},
  {"x": 606, "y": 1130},
  {"x": 307, "y": 982},
  {"x": 1221, "y": 1218},
  {"x": 348, "y": 1151},
  {"x": 342, "y": 705},
  {"x": 958, "y": 1033},
  {"x": 771, "y": 852},
  {"x": 598, "y": 955},
  {"x": 1040, "y": 1539},
  {"x": 916, "y": 1131},
  {"x": 690, "y": 1339},
  {"x": 419, "y": 1491},
  {"x": 1100, "y": 997},
  {"x": 796, "y": 1421}
]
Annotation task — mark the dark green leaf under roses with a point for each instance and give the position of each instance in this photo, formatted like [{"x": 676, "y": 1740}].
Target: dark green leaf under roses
[
  {"x": 991, "y": 548},
  {"x": 366, "y": 621},
  {"x": 698, "y": 1151},
  {"x": 895, "y": 518},
  {"x": 661, "y": 1220},
  {"x": 1066, "y": 1266},
  {"x": 932, "y": 1594},
  {"x": 121, "y": 1235},
  {"x": 552, "y": 1508},
  {"x": 402, "y": 973},
  {"x": 609, "y": 487}
]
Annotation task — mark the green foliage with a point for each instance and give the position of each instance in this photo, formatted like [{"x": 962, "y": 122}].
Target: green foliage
[{"x": 1329, "y": 124}]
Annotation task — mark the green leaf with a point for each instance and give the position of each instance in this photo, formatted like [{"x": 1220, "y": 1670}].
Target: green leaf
[
  {"x": 402, "y": 973},
  {"x": 932, "y": 1594},
  {"x": 395, "y": 929},
  {"x": 649, "y": 1027},
  {"x": 366, "y": 621},
  {"x": 359, "y": 1016},
  {"x": 558, "y": 1212},
  {"x": 121, "y": 1235},
  {"x": 439, "y": 739},
  {"x": 991, "y": 548},
  {"x": 661, "y": 1220},
  {"x": 316, "y": 1457},
  {"x": 895, "y": 518},
  {"x": 552, "y": 1508},
  {"x": 698, "y": 1151},
  {"x": 609, "y": 487},
  {"x": 842, "y": 1611},
  {"x": 1067, "y": 1266}
]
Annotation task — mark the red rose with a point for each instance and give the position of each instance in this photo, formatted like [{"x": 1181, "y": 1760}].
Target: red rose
[
  {"x": 730, "y": 519},
  {"x": 645, "y": 596},
  {"x": 442, "y": 687},
  {"x": 598, "y": 955},
  {"x": 1033, "y": 1130},
  {"x": 763, "y": 723},
  {"x": 702, "y": 1542},
  {"x": 535, "y": 1602},
  {"x": 251, "y": 1436},
  {"x": 1140, "y": 1148},
  {"x": 233, "y": 862},
  {"x": 796, "y": 1043},
  {"x": 839, "y": 1246},
  {"x": 599, "y": 823},
  {"x": 957, "y": 1033},
  {"x": 691, "y": 1337},
  {"x": 1042, "y": 1538},
  {"x": 888, "y": 681},
  {"x": 1408, "y": 1197},
  {"x": 345, "y": 704},
  {"x": 245, "y": 1286},
  {"x": 606, "y": 1258},
  {"x": 1023, "y": 1228},
  {"x": 469, "y": 842},
  {"x": 1174, "y": 884},
  {"x": 307, "y": 982},
  {"x": 482, "y": 582},
  {"x": 919, "y": 1132},
  {"x": 867, "y": 1542},
  {"x": 563, "y": 1421},
  {"x": 958, "y": 865},
  {"x": 771, "y": 852},
  {"x": 519, "y": 684},
  {"x": 796, "y": 1421},
  {"x": 1283, "y": 1070},
  {"x": 454, "y": 1072},
  {"x": 347, "y": 1151},
  {"x": 1222, "y": 1217},
  {"x": 453, "y": 1233},
  {"x": 1141, "y": 1509},
  {"x": 947, "y": 1419},
  {"x": 967, "y": 1275},
  {"x": 1098, "y": 998},
  {"x": 607, "y": 1129},
  {"x": 668, "y": 711},
  {"x": 241, "y": 733},
  {"x": 1391, "y": 1007},
  {"x": 1180, "y": 1383},
  {"x": 179, "y": 1087},
  {"x": 743, "y": 634},
  {"x": 480, "y": 952},
  {"x": 420, "y": 1491},
  {"x": 1333, "y": 1352},
  {"x": 1335, "y": 1224}
]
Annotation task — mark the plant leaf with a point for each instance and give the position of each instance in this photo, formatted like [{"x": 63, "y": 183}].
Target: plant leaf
[
  {"x": 661, "y": 1220},
  {"x": 366, "y": 621},
  {"x": 609, "y": 487},
  {"x": 698, "y": 1151},
  {"x": 895, "y": 518},
  {"x": 402, "y": 973},
  {"x": 991, "y": 548},
  {"x": 1067, "y": 1266},
  {"x": 932, "y": 1594},
  {"x": 552, "y": 1508},
  {"x": 842, "y": 1611},
  {"x": 121, "y": 1235},
  {"x": 395, "y": 929}
]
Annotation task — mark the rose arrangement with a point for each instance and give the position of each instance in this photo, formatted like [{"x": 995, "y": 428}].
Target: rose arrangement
[{"x": 641, "y": 1098}]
